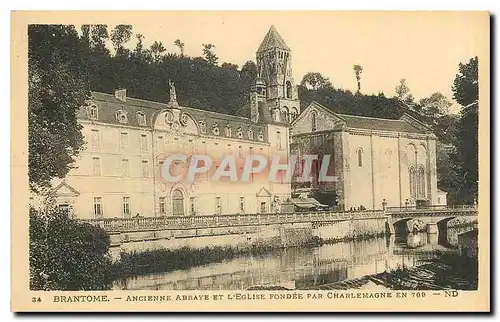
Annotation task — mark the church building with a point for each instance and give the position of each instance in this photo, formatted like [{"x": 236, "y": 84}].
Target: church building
[{"x": 377, "y": 162}]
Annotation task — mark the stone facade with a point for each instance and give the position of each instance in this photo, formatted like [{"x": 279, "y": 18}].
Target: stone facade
[{"x": 376, "y": 161}]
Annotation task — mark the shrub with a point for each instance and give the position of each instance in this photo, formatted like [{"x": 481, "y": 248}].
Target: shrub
[{"x": 66, "y": 254}]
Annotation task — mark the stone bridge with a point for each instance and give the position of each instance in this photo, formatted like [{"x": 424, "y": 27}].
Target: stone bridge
[
  {"x": 285, "y": 229},
  {"x": 402, "y": 221}
]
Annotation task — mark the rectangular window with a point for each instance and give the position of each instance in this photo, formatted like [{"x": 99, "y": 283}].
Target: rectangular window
[
  {"x": 124, "y": 141},
  {"x": 126, "y": 207},
  {"x": 240, "y": 152},
  {"x": 263, "y": 208},
  {"x": 162, "y": 205},
  {"x": 95, "y": 139},
  {"x": 278, "y": 140},
  {"x": 96, "y": 166},
  {"x": 145, "y": 169},
  {"x": 242, "y": 205},
  {"x": 98, "y": 207},
  {"x": 141, "y": 119},
  {"x": 218, "y": 205},
  {"x": 144, "y": 143},
  {"x": 125, "y": 168},
  {"x": 161, "y": 144},
  {"x": 192, "y": 206}
]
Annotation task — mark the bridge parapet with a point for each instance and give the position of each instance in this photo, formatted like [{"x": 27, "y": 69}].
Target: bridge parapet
[
  {"x": 215, "y": 221},
  {"x": 432, "y": 212}
]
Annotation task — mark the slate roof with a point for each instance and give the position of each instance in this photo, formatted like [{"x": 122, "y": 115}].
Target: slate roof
[
  {"x": 272, "y": 40},
  {"x": 108, "y": 105},
  {"x": 372, "y": 123}
]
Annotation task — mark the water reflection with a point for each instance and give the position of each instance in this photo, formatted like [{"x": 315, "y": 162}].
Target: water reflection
[{"x": 299, "y": 268}]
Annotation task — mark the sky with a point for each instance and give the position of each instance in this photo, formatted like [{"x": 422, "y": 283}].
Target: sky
[{"x": 422, "y": 47}]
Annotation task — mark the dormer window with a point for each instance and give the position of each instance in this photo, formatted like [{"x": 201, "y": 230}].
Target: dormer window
[
  {"x": 228, "y": 130},
  {"x": 250, "y": 134},
  {"x": 260, "y": 136},
  {"x": 215, "y": 129},
  {"x": 121, "y": 116},
  {"x": 93, "y": 112},
  {"x": 239, "y": 133},
  {"x": 203, "y": 127},
  {"x": 141, "y": 119}
]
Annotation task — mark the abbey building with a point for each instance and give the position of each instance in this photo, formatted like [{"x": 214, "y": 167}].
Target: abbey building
[{"x": 118, "y": 174}]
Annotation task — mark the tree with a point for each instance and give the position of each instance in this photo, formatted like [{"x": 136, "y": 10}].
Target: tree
[
  {"x": 67, "y": 255},
  {"x": 56, "y": 92},
  {"x": 139, "y": 48},
  {"x": 435, "y": 105},
  {"x": 95, "y": 36},
  {"x": 157, "y": 51},
  {"x": 358, "y": 69},
  {"x": 403, "y": 92},
  {"x": 209, "y": 55},
  {"x": 179, "y": 44},
  {"x": 316, "y": 81},
  {"x": 249, "y": 70},
  {"x": 119, "y": 36},
  {"x": 466, "y": 93}
]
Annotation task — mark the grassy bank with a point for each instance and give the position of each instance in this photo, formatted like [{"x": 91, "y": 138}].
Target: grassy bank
[{"x": 165, "y": 260}]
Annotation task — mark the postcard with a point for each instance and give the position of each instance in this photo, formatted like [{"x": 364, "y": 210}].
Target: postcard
[{"x": 250, "y": 161}]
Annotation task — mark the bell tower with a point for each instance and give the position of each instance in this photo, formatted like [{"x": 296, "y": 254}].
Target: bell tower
[{"x": 275, "y": 84}]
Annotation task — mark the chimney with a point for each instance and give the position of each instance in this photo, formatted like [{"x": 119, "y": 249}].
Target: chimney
[{"x": 121, "y": 94}]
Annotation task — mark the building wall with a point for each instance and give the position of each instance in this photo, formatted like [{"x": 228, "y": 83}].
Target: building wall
[
  {"x": 113, "y": 183},
  {"x": 384, "y": 174}
]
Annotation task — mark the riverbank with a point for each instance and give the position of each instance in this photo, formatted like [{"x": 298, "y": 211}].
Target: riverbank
[
  {"x": 165, "y": 260},
  {"x": 445, "y": 271}
]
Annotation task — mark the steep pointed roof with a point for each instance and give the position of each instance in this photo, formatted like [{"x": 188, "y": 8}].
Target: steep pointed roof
[{"x": 272, "y": 40}]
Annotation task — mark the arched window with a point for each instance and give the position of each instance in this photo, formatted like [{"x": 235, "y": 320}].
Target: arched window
[
  {"x": 412, "y": 181},
  {"x": 293, "y": 114},
  {"x": 288, "y": 89},
  {"x": 359, "y": 154},
  {"x": 177, "y": 203},
  {"x": 93, "y": 112},
  {"x": 284, "y": 114},
  {"x": 421, "y": 182},
  {"x": 313, "y": 121}
]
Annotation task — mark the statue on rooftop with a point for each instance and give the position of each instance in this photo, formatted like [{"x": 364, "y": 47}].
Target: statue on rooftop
[{"x": 173, "y": 94}]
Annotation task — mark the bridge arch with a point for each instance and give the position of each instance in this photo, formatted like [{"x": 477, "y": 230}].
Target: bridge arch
[
  {"x": 401, "y": 227},
  {"x": 443, "y": 224}
]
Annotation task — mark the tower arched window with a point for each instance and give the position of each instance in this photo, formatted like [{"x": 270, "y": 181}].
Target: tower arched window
[
  {"x": 284, "y": 114},
  {"x": 288, "y": 89},
  {"x": 293, "y": 114}
]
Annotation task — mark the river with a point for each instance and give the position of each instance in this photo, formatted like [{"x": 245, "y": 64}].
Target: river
[{"x": 302, "y": 267}]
